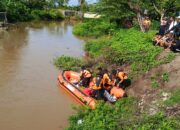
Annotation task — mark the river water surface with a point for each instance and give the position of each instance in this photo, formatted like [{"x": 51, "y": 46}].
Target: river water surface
[{"x": 29, "y": 96}]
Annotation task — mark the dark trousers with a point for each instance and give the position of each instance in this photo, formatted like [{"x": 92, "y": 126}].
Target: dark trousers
[
  {"x": 85, "y": 82},
  {"x": 120, "y": 85}
]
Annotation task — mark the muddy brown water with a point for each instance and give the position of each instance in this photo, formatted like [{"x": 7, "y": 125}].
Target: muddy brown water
[{"x": 29, "y": 96}]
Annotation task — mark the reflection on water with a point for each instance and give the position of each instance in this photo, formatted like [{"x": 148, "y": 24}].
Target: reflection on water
[{"x": 29, "y": 97}]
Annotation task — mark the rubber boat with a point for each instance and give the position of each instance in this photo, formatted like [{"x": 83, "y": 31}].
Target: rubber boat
[{"x": 68, "y": 80}]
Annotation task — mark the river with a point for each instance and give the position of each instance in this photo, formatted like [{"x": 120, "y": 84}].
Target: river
[{"x": 29, "y": 96}]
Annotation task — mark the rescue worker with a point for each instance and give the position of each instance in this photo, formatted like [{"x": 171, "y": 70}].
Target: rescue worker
[
  {"x": 97, "y": 84},
  {"x": 121, "y": 77},
  {"x": 85, "y": 77},
  {"x": 107, "y": 80}
]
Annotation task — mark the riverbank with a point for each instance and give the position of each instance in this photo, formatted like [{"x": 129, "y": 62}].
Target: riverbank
[{"x": 133, "y": 50}]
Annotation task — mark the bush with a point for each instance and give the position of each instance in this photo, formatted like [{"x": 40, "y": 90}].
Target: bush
[
  {"x": 68, "y": 63},
  {"x": 104, "y": 117},
  {"x": 94, "y": 27},
  {"x": 128, "y": 47},
  {"x": 158, "y": 122},
  {"x": 17, "y": 11},
  {"x": 120, "y": 116},
  {"x": 46, "y": 15}
]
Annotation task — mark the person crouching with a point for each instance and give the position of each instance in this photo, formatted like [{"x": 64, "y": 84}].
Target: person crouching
[
  {"x": 85, "y": 77},
  {"x": 121, "y": 77}
]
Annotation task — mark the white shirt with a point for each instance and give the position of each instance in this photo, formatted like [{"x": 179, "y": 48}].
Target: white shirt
[{"x": 174, "y": 23}]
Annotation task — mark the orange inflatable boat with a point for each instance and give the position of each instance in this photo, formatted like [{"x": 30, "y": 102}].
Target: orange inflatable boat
[{"x": 66, "y": 80}]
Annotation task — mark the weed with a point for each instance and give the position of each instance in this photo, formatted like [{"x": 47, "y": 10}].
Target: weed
[
  {"x": 174, "y": 99},
  {"x": 68, "y": 63},
  {"x": 165, "y": 77}
]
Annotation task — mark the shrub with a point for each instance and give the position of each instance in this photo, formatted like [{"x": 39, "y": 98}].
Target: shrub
[
  {"x": 46, "y": 15},
  {"x": 165, "y": 77},
  {"x": 129, "y": 47},
  {"x": 17, "y": 11},
  {"x": 120, "y": 116},
  {"x": 68, "y": 63},
  {"x": 94, "y": 27},
  {"x": 104, "y": 117}
]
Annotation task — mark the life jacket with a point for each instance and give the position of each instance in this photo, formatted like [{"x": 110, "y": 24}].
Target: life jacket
[
  {"x": 94, "y": 85},
  {"x": 122, "y": 74},
  {"x": 106, "y": 82},
  {"x": 106, "y": 79}
]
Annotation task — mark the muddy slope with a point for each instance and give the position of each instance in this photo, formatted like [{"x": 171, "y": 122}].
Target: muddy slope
[{"x": 152, "y": 88}]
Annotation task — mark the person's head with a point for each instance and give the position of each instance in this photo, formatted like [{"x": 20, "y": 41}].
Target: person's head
[
  {"x": 178, "y": 19},
  {"x": 105, "y": 71},
  {"x": 114, "y": 72},
  {"x": 165, "y": 18},
  {"x": 120, "y": 69},
  {"x": 99, "y": 69},
  {"x": 147, "y": 18},
  {"x": 83, "y": 67},
  {"x": 172, "y": 18}
]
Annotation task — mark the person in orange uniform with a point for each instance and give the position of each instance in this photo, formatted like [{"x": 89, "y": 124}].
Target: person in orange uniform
[
  {"x": 107, "y": 81},
  {"x": 85, "y": 77},
  {"x": 96, "y": 84},
  {"x": 121, "y": 77}
]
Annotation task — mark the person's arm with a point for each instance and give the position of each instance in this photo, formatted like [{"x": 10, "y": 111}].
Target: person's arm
[{"x": 120, "y": 75}]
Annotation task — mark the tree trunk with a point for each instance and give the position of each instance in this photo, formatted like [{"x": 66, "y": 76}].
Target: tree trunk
[
  {"x": 162, "y": 15},
  {"x": 140, "y": 22}
]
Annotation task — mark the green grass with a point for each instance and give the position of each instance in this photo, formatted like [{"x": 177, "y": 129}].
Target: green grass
[
  {"x": 120, "y": 116},
  {"x": 68, "y": 63},
  {"x": 165, "y": 77},
  {"x": 129, "y": 46},
  {"x": 94, "y": 28},
  {"x": 174, "y": 99}
]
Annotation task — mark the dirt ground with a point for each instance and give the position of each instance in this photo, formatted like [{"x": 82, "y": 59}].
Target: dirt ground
[{"x": 151, "y": 96}]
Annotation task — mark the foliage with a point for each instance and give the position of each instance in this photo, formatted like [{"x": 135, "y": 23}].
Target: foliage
[
  {"x": 114, "y": 8},
  {"x": 174, "y": 99},
  {"x": 128, "y": 47},
  {"x": 104, "y": 117},
  {"x": 20, "y": 10},
  {"x": 158, "y": 122},
  {"x": 46, "y": 14},
  {"x": 96, "y": 28},
  {"x": 165, "y": 77},
  {"x": 154, "y": 83},
  {"x": 17, "y": 11},
  {"x": 122, "y": 115},
  {"x": 164, "y": 7},
  {"x": 68, "y": 63}
]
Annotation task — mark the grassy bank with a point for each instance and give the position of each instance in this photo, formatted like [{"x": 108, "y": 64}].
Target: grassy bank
[
  {"x": 120, "y": 47},
  {"x": 128, "y": 47},
  {"x": 124, "y": 115},
  {"x": 94, "y": 28}
]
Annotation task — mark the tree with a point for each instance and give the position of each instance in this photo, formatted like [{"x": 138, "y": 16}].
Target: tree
[
  {"x": 165, "y": 7},
  {"x": 123, "y": 8},
  {"x": 83, "y": 5}
]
